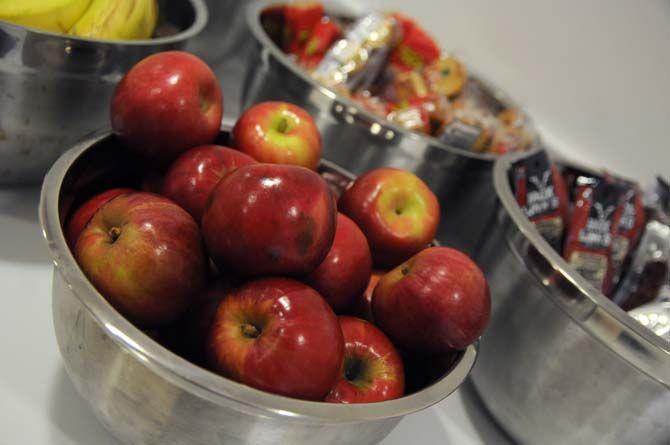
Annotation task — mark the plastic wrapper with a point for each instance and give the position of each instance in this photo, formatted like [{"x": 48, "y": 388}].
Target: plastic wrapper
[
  {"x": 595, "y": 217},
  {"x": 416, "y": 48},
  {"x": 657, "y": 201},
  {"x": 629, "y": 228},
  {"x": 446, "y": 76},
  {"x": 541, "y": 192},
  {"x": 324, "y": 33},
  {"x": 357, "y": 59},
  {"x": 300, "y": 18},
  {"x": 655, "y": 316},
  {"x": 649, "y": 271}
]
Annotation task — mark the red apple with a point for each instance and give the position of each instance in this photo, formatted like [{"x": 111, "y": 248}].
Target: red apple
[
  {"x": 437, "y": 301},
  {"x": 192, "y": 177},
  {"x": 277, "y": 335},
  {"x": 144, "y": 254},
  {"x": 166, "y": 104},
  {"x": 279, "y": 133},
  {"x": 345, "y": 272},
  {"x": 84, "y": 213},
  {"x": 372, "y": 370},
  {"x": 362, "y": 305},
  {"x": 269, "y": 219},
  {"x": 397, "y": 212}
]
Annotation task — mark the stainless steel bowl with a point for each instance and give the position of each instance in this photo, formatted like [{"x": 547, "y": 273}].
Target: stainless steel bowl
[
  {"x": 144, "y": 393},
  {"x": 359, "y": 140},
  {"x": 52, "y": 86},
  {"x": 560, "y": 363}
]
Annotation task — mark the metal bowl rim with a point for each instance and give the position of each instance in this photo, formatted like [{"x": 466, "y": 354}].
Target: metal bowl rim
[
  {"x": 655, "y": 345},
  {"x": 200, "y": 21},
  {"x": 255, "y": 8},
  {"x": 192, "y": 378}
]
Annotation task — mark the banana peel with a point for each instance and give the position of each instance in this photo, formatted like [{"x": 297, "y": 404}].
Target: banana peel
[
  {"x": 117, "y": 20},
  {"x": 46, "y": 15}
]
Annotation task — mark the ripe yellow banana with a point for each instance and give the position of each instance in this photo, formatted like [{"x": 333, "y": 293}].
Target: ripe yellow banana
[
  {"x": 47, "y": 15},
  {"x": 118, "y": 19}
]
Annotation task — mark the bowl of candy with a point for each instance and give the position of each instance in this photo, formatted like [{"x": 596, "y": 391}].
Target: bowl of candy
[
  {"x": 579, "y": 262},
  {"x": 383, "y": 93}
]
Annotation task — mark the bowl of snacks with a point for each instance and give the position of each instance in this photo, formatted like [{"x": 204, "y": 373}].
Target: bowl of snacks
[
  {"x": 383, "y": 93},
  {"x": 258, "y": 294},
  {"x": 61, "y": 59},
  {"x": 579, "y": 268}
]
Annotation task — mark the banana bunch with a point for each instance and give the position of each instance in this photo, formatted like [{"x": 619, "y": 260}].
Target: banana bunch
[{"x": 102, "y": 19}]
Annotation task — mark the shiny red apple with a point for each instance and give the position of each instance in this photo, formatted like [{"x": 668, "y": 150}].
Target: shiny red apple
[
  {"x": 396, "y": 211},
  {"x": 269, "y": 219},
  {"x": 86, "y": 211},
  {"x": 166, "y": 104},
  {"x": 144, "y": 254},
  {"x": 372, "y": 370},
  {"x": 437, "y": 301},
  {"x": 277, "y": 335},
  {"x": 192, "y": 176},
  {"x": 345, "y": 272},
  {"x": 279, "y": 133},
  {"x": 362, "y": 305}
]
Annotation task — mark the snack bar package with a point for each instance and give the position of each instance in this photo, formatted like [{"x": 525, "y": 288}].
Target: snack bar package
[
  {"x": 595, "y": 217},
  {"x": 649, "y": 271},
  {"x": 540, "y": 191},
  {"x": 629, "y": 228}
]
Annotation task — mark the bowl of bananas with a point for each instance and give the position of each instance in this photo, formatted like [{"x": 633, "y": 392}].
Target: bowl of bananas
[{"x": 60, "y": 59}]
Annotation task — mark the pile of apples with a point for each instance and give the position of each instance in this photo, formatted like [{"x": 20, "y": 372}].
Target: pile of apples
[{"x": 243, "y": 258}]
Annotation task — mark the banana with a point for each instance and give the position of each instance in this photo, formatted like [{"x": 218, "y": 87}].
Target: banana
[
  {"x": 118, "y": 19},
  {"x": 47, "y": 15}
]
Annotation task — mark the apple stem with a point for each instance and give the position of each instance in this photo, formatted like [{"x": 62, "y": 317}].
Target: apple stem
[
  {"x": 250, "y": 331},
  {"x": 282, "y": 125},
  {"x": 114, "y": 233}
]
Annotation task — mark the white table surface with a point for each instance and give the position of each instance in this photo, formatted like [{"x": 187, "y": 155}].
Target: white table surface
[{"x": 39, "y": 405}]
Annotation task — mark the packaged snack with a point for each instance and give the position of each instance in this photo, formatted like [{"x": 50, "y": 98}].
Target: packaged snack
[
  {"x": 465, "y": 134},
  {"x": 300, "y": 18},
  {"x": 359, "y": 57},
  {"x": 400, "y": 87},
  {"x": 446, "y": 76},
  {"x": 324, "y": 33},
  {"x": 540, "y": 191},
  {"x": 414, "y": 117},
  {"x": 595, "y": 217},
  {"x": 657, "y": 201},
  {"x": 508, "y": 139},
  {"x": 655, "y": 316},
  {"x": 649, "y": 270},
  {"x": 416, "y": 48},
  {"x": 629, "y": 228}
]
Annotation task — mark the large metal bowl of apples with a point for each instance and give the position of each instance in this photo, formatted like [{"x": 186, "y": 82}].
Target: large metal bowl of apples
[{"x": 258, "y": 294}]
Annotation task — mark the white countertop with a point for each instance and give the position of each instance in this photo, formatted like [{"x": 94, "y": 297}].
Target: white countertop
[{"x": 39, "y": 405}]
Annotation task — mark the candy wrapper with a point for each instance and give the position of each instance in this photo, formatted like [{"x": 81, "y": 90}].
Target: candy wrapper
[
  {"x": 595, "y": 217},
  {"x": 649, "y": 270},
  {"x": 324, "y": 33},
  {"x": 300, "y": 18},
  {"x": 416, "y": 48},
  {"x": 541, "y": 192},
  {"x": 629, "y": 229},
  {"x": 655, "y": 316},
  {"x": 423, "y": 114},
  {"x": 359, "y": 57},
  {"x": 446, "y": 76},
  {"x": 657, "y": 201}
]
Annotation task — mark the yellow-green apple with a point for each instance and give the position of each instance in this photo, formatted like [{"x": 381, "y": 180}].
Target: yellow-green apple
[
  {"x": 397, "y": 212},
  {"x": 144, "y": 254},
  {"x": 345, "y": 272},
  {"x": 193, "y": 175},
  {"x": 372, "y": 370},
  {"x": 437, "y": 301},
  {"x": 278, "y": 133},
  {"x": 269, "y": 219},
  {"x": 277, "y": 335},
  {"x": 166, "y": 104},
  {"x": 85, "y": 212}
]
